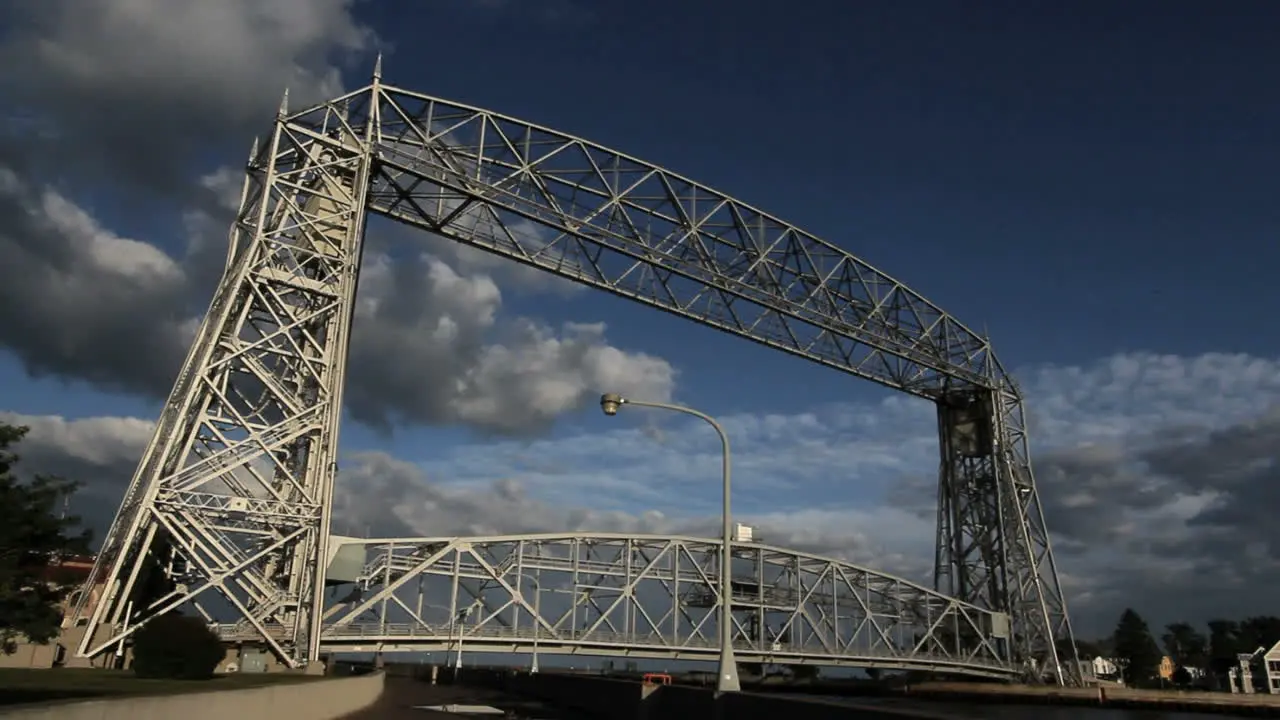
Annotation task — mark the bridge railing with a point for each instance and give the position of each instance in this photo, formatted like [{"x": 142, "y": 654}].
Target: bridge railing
[{"x": 410, "y": 633}]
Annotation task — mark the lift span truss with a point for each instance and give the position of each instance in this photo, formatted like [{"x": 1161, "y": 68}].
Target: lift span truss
[
  {"x": 232, "y": 497},
  {"x": 652, "y": 597}
]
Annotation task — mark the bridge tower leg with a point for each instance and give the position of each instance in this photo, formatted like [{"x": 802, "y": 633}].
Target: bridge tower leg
[
  {"x": 993, "y": 548},
  {"x": 229, "y": 510}
]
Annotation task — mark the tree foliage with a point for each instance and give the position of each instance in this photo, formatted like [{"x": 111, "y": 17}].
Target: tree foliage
[
  {"x": 176, "y": 646},
  {"x": 1186, "y": 646},
  {"x": 1230, "y": 638},
  {"x": 1260, "y": 631},
  {"x": 1135, "y": 649},
  {"x": 1223, "y": 645},
  {"x": 1085, "y": 650},
  {"x": 34, "y": 535}
]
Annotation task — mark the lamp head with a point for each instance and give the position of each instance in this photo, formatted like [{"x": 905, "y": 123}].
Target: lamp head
[{"x": 610, "y": 402}]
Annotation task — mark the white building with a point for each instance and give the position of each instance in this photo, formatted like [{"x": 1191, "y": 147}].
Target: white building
[
  {"x": 1102, "y": 667},
  {"x": 1271, "y": 663}
]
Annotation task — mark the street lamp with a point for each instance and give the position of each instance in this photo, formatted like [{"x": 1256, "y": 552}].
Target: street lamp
[
  {"x": 727, "y": 680},
  {"x": 461, "y": 628},
  {"x": 537, "y": 618}
]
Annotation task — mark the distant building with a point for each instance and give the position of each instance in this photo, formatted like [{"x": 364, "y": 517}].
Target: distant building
[
  {"x": 1250, "y": 673},
  {"x": 1271, "y": 660},
  {"x": 1105, "y": 668}
]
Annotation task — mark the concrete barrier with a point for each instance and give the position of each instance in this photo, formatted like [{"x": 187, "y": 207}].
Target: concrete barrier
[
  {"x": 611, "y": 699},
  {"x": 314, "y": 700}
]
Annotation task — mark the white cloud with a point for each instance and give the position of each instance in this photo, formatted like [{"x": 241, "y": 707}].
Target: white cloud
[
  {"x": 1135, "y": 521},
  {"x": 1164, "y": 515},
  {"x": 78, "y": 301},
  {"x": 119, "y": 311},
  {"x": 167, "y": 80},
  {"x": 427, "y": 348}
]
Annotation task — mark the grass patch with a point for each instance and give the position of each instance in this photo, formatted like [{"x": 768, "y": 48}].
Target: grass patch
[{"x": 24, "y": 685}]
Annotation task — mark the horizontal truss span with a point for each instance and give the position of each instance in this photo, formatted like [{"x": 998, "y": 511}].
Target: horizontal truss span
[
  {"x": 608, "y": 220},
  {"x": 645, "y": 596}
]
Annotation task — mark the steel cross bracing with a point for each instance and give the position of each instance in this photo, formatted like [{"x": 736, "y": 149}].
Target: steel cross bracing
[
  {"x": 254, "y": 413},
  {"x": 233, "y": 494},
  {"x": 650, "y": 596}
]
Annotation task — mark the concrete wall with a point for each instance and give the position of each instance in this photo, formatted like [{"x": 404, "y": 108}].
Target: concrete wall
[
  {"x": 622, "y": 700},
  {"x": 316, "y": 700},
  {"x": 33, "y": 655}
]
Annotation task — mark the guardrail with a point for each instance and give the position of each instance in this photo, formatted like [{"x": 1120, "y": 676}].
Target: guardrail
[{"x": 395, "y": 637}]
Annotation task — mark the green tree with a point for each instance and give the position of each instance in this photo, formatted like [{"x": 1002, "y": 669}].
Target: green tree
[
  {"x": 1224, "y": 640},
  {"x": 34, "y": 535},
  {"x": 1135, "y": 648},
  {"x": 1262, "y": 631},
  {"x": 1085, "y": 650},
  {"x": 1186, "y": 646}
]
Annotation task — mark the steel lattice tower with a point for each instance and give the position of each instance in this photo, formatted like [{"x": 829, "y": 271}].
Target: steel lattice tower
[{"x": 232, "y": 497}]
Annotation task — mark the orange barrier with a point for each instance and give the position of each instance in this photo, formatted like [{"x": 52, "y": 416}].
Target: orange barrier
[{"x": 656, "y": 679}]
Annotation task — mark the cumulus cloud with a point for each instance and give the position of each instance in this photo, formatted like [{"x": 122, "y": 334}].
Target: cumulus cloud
[
  {"x": 381, "y": 492},
  {"x": 78, "y": 300},
  {"x": 1156, "y": 472},
  {"x": 83, "y": 302},
  {"x": 1164, "y": 512},
  {"x": 419, "y": 355},
  {"x": 166, "y": 80},
  {"x": 387, "y": 496},
  {"x": 101, "y": 453}
]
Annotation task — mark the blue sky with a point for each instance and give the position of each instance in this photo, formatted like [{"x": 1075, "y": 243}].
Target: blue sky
[{"x": 1091, "y": 184}]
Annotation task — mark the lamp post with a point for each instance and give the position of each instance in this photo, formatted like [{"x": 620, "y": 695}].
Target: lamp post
[
  {"x": 727, "y": 680},
  {"x": 537, "y": 618},
  {"x": 452, "y": 624},
  {"x": 461, "y": 627}
]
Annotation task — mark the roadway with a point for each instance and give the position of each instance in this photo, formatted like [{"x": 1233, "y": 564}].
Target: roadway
[{"x": 407, "y": 698}]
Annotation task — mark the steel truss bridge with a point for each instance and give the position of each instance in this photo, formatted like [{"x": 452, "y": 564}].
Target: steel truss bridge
[
  {"x": 231, "y": 502},
  {"x": 648, "y": 597}
]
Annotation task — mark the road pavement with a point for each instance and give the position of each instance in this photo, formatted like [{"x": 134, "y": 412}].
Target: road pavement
[{"x": 404, "y": 698}]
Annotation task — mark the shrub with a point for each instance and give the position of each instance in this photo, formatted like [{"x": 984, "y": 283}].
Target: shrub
[{"x": 176, "y": 646}]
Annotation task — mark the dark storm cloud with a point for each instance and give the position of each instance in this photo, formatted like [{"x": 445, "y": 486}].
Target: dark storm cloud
[{"x": 78, "y": 301}]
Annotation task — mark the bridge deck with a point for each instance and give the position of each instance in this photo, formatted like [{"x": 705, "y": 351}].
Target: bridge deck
[{"x": 643, "y": 597}]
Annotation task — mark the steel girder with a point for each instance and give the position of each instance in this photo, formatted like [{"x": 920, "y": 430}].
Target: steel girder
[
  {"x": 253, "y": 417},
  {"x": 650, "y": 596},
  {"x": 234, "y": 492}
]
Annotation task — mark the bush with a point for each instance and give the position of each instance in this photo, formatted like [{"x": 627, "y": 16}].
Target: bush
[{"x": 176, "y": 646}]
